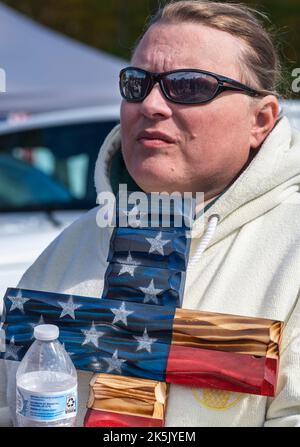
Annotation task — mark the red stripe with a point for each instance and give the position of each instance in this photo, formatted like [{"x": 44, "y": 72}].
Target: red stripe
[
  {"x": 99, "y": 418},
  {"x": 224, "y": 370}
]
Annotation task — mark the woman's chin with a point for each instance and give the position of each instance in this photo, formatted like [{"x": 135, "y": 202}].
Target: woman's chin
[
  {"x": 153, "y": 176},
  {"x": 155, "y": 184}
]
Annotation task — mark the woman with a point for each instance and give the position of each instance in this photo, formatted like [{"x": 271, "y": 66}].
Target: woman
[{"x": 185, "y": 135}]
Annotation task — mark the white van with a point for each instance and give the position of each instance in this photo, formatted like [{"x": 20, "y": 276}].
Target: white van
[{"x": 46, "y": 180}]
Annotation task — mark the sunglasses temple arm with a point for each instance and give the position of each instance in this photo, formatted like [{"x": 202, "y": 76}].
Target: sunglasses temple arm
[{"x": 237, "y": 88}]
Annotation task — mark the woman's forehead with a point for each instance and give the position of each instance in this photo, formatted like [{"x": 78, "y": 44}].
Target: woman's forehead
[{"x": 167, "y": 47}]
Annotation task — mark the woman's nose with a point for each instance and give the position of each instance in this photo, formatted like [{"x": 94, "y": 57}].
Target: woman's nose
[{"x": 155, "y": 105}]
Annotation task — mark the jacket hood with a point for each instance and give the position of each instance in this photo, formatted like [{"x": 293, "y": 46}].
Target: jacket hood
[{"x": 272, "y": 177}]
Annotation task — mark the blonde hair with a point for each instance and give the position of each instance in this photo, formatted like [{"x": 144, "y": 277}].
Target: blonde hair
[{"x": 260, "y": 59}]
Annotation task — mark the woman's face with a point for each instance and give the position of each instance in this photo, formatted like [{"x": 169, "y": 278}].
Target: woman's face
[{"x": 187, "y": 148}]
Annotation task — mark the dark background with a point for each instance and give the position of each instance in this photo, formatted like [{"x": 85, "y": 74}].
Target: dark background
[{"x": 115, "y": 25}]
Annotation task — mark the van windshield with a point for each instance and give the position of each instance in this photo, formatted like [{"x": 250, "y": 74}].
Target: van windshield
[{"x": 50, "y": 168}]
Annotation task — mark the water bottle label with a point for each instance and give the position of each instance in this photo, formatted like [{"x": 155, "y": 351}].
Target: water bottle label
[{"x": 46, "y": 407}]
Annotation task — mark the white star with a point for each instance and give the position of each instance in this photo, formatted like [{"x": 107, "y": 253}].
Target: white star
[
  {"x": 121, "y": 314},
  {"x": 145, "y": 341},
  {"x": 95, "y": 364},
  {"x": 12, "y": 350},
  {"x": 150, "y": 293},
  {"x": 157, "y": 244},
  {"x": 92, "y": 335},
  {"x": 33, "y": 325},
  {"x": 114, "y": 363},
  {"x": 18, "y": 302},
  {"x": 129, "y": 267},
  {"x": 69, "y": 308}
]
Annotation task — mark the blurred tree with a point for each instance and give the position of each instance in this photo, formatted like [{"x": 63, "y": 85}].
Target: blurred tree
[{"x": 115, "y": 26}]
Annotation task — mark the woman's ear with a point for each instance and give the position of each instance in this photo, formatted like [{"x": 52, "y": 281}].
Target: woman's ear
[{"x": 265, "y": 114}]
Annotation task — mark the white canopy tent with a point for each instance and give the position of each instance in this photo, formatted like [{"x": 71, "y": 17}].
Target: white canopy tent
[{"x": 47, "y": 71}]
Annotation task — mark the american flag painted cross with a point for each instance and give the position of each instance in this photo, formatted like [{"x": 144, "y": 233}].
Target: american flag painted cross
[{"x": 136, "y": 337}]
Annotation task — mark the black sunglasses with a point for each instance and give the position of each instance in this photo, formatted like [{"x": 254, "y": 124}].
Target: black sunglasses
[{"x": 183, "y": 86}]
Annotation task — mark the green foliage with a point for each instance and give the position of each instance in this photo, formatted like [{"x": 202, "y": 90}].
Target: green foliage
[{"x": 115, "y": 25}]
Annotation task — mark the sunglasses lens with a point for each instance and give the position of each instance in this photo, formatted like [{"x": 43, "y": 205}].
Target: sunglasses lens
[
  {"x": 190, "y": 87},
  {"x": 134, "y": 84}
]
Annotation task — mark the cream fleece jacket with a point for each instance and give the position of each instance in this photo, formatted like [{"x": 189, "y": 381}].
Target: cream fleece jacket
[{"x": 250, "y": 267}]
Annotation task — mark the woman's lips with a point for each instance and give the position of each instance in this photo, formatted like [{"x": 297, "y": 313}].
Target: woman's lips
[
  {"x": 152, "y": 139},
  {"x": 147, "y": 142}
]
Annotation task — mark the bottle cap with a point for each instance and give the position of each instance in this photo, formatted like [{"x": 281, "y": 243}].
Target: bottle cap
[{"x": 46, "y": 332}]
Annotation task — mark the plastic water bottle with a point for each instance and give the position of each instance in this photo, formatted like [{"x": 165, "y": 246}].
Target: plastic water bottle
[{"x": 46, "y": 383}]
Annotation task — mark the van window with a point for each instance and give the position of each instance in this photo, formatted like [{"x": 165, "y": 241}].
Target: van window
[{"x": 51, "y": 167}]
